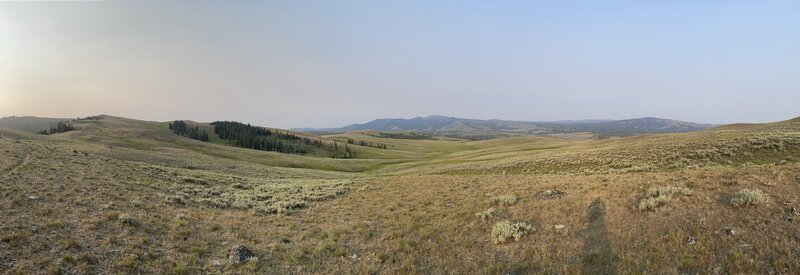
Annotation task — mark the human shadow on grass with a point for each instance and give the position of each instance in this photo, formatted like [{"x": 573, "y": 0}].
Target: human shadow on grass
[{"x": 598, "y": 257}]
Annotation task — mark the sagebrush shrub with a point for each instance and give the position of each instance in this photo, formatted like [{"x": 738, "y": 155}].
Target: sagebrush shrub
[
  {"x": 488, "y": 214},
  {"x": 656, "y": 197},
  {"x": 125, "y": 218},
  {"x": 504, "y": 200},
  {"x": 747, "y": 197},
  {"x": 504, "y": 230}
]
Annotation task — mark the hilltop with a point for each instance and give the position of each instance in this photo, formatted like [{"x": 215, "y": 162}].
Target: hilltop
[{"x": 486, "y": 129}]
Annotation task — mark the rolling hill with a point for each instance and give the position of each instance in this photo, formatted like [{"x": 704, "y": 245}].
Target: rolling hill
[
  {"x": 635, "y": 126},
  {"x": 485, "y": 129},
  {"x": 126, "y": 196}
]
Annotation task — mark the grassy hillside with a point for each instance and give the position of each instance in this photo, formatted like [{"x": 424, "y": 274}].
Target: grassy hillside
[{"x": 118, "y": 195}]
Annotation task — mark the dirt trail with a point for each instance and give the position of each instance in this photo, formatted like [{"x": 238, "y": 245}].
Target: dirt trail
[
  {"x": 16, "y": 166},
  {"x": 598, "y": 257}
]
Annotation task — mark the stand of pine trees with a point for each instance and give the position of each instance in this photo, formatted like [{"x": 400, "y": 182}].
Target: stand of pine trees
[
  {"x": 368, "y": 144},
  {"x": 260, "y": 138},
  {"x": 58, "y": 128},
  {"x": 179, "y": 127}
]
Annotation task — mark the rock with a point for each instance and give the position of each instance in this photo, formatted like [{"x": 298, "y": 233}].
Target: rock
[
  {"x": 729, "y": 231},
  {"x": 32, "y": 197},
  {"x": 692, "y": 240},
  {"x": 240, "y": 254},
  {"x": 559, "y": 226},
  {"x": 216, "y": 263},
  {"x": 782, "y": 162}
]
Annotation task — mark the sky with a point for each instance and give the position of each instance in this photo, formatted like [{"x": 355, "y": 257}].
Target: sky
[{"x": 332, "y": 63}]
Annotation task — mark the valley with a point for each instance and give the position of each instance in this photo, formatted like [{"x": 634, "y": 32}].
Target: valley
[{"x": 126, "y": 196}]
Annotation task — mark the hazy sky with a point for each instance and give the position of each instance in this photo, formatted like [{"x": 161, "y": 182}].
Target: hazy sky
[{"x": 331, "y": 63}]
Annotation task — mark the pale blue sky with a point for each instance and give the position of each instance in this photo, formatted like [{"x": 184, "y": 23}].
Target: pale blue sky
[{"x": 331, "y": 63}]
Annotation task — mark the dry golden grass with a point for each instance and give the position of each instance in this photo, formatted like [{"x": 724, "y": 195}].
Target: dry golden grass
[{"x": 79, "y": 206}]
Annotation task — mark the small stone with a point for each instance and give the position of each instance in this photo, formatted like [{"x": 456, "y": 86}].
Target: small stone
[
  {"x": 216, "y": 263},
  {"x": 559, "y": 226},
  {"x": 355, "y": 256},
  {"x": 33, "y": 197},
  {"x": 692, "y": 240},
  {"x": 240, "y": 254}
]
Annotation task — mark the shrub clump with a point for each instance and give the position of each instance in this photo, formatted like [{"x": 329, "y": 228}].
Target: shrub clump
[
  {"x": 504, "y": 200},
  {"x": 747, "y": 197},
  {"x": 125, "y": 219},
  {"x": 504, "y": 230},
  {"x": 486, "y": 215},
  {"x": 656, "y": 197}
]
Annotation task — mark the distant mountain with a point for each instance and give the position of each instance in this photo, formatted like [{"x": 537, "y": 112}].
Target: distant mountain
[
  {"x": 485, "y": 129},
  {"x": 450, "y": 127},
  {"x": 638, "y": 126}
]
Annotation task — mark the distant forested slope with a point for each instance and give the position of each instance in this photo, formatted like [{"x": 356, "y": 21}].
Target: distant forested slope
[{"x": 260, "y": 138}]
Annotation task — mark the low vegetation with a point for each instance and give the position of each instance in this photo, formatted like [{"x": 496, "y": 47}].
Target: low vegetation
[
  {"x": 504, "y": 200},
  {"x": 748, "y": 197},
  {"x": 658, "y": 196},
  {"x": 488, "y": 214},
  {"x": 504, "y": 230}
]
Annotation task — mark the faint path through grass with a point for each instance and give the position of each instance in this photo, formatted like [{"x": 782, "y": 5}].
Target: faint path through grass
[{"x": 19, "y": 163}]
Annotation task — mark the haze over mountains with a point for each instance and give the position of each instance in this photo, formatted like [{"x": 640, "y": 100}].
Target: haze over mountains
[{"x": 478, "y": 129}]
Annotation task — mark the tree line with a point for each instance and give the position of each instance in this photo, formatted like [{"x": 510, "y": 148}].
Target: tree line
[
  {"x": 260, "y": 138},
  {"x": 181, "y": 128},
  {"x": 400, "y": 135},
  {"x": 89, "y": 118},
  {"x": 58, "y": 128},
  {"x": 368, "y": 144}
]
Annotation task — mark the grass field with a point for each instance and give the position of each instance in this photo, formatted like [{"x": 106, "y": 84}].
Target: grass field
[{"x": 126, "y": 196}]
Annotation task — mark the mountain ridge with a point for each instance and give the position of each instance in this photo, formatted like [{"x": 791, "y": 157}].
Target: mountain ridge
[{"x": 465, "y": 127}]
